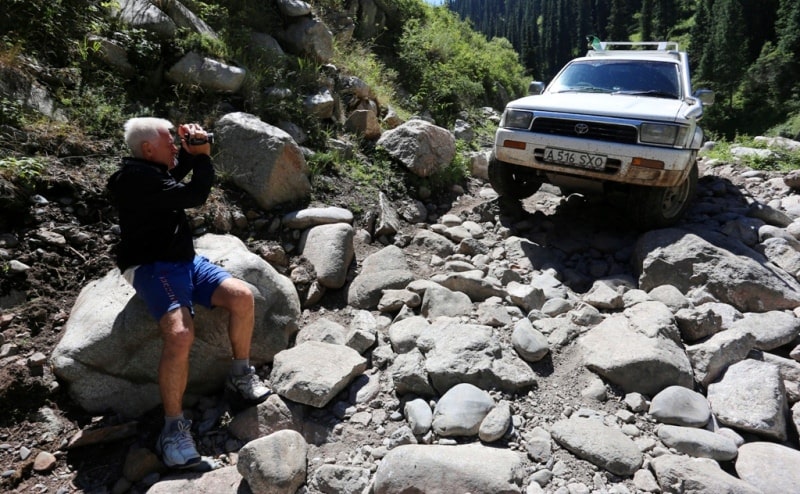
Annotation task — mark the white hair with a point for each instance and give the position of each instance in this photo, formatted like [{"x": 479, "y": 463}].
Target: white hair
[{"x": 144, "y": 129}]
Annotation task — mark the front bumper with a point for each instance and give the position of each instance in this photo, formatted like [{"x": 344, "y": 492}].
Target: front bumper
[{"x": 625, "y": 163}]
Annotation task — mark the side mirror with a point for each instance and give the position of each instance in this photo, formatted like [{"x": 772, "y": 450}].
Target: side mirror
[
  {"x": 706, "y": 96},
  {"x": 536, "y": 87}
]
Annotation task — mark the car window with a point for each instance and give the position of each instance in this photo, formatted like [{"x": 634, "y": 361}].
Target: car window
[{"x": 646, "y": 78}]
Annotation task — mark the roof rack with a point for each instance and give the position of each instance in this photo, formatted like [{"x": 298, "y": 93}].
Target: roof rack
[{"x": 601, "y": 46}]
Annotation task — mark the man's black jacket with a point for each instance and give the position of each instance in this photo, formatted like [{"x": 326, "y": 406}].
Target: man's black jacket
[{"x": 150, "y": 200}]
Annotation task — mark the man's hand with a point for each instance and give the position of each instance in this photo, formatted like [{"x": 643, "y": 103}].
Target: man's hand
[{"x": 194, "y": 131}]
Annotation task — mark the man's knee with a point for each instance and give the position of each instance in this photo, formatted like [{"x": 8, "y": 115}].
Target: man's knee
[
  {"x": 234, "y": 295},
  {"x": 178, "y": 343},
  {"x": 177, "y": 330}
]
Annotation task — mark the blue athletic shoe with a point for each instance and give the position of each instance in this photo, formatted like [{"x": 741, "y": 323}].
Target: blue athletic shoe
[{"x": 176, "y": 446}]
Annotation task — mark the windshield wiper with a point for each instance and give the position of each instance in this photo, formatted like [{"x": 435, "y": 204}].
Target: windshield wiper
[
  {"x": 585, "y": 89},
  {"x": 653, "y": 92}
]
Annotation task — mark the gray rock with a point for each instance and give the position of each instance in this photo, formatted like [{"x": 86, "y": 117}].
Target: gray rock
[
  {"x": 404, "y": 333},
  {"x": 750, "y": 396},
  {"x": 710, "y": 358},
  {"x": 261, "y": 159},
  {"x": 468, "y": 353},
  {"x": 618, "y": 351},
  {"x": 674, "y": 257},
  {"x": 599, "y": 444},
  {"x": 385, "y": 269},
  {"x": 144, "y": 15},
  {"x": 433, "y": 242},
  {"x": 311, "y": 37},
  {"x": 313, "y": 373},
  {"x": 270, "y": 416},
  {"x": 474, "y": 283},
  {"x": 320, "y": 104},
  {"x": 275, "y": 464},
  {"x": 448, "y": 469},
  {"x": 419, "y": 416},
  {"x": 111, "y": 346},
  {"x": 340, "y": 479},
  {"x": 495, "y": 425},
  {"x": 323, "y": 330},
  {"x": 409, "y": 374},
  {"x": 771, "y": 329},
  {"x": 194, "y": 69},
  {"x": 330, "y": 249},
  {"x": 528, "y": 342},
  {"x": 539, "y": 445},
  {"x": 225, "y": 479},
  {"x": 294, "y": 8},
  {"x": 670, "y": 296},
  {"x": 680, "y": 406},
  {"x": 697, "y": 476},
  {"x": 460, "y": 411},
  {"x": 311, "y": 217},
  {"x": 422, "y": 147},
  {"x": 527, "y": 297},
  {"x": 773, "y": 468},
  {"x": 698, "y": 443},
  {"x": 440, "y": 301}
]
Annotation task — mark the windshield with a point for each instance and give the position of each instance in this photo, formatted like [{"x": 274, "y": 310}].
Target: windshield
[{"x": 639, "y": 77}]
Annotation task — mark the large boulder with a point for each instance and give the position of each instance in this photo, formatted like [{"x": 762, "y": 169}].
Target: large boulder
[
  {"x": 143, "y": 14},
  {"x": 310, "y": 37},
  {"x": 730, "y": 272},
  {"x": 261, "y": 159},
  {"x": 420, "y": 146},
  {"x": 637, "y": 350},
  {"x": 111, "y": 346},
  {"x": 194, "y": 69}
]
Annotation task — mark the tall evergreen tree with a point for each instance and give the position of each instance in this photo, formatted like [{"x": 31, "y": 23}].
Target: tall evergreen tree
[
  {"x": 773, "y": 81},
  {"x": 700, "y": 36},
  {"x": 617, "y": 25},
  {"x": 665, "y": 15},
  {"x": 726, "y": 52},
  {"x": 646, "y": 20}
]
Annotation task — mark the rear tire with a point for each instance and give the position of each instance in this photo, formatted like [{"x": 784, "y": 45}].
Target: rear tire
[
  {"x": 512, "y": 181},
  {"x": 659, "y": 207}
]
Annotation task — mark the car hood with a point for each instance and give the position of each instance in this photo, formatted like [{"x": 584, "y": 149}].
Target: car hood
[{"x": 610, "y": 105}]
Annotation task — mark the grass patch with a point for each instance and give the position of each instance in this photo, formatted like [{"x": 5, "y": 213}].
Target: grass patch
[{"x": 780, "y": 159}]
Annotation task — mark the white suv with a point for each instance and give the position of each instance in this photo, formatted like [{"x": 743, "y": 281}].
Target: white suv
[{"x": 623, "y": 117}]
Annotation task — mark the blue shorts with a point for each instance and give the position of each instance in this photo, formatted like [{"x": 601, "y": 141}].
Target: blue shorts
[{"x": 166, "y": 286}]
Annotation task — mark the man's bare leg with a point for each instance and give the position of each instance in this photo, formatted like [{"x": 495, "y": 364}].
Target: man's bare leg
[
  {"x": 177, "y": 331},
  {"x": 235, "y": 296}
]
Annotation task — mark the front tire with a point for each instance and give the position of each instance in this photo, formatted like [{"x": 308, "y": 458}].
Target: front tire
[
  {"x": 512, "y": 181},
  {"x": 659, "y": 207}
]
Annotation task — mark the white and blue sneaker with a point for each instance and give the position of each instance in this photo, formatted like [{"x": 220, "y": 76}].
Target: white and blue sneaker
[
  {"x": 176, "y": 446},
  {"x": 249, "y": 387}
]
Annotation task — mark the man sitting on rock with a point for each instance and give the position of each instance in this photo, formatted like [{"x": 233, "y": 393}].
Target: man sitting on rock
[{"x": 156, "y": 255}]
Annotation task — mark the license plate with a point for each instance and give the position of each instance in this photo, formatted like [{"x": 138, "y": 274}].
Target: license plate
[{"x": 572, "y": 158}]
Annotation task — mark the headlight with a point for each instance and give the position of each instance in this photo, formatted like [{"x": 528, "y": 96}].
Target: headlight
[
  {"x": 659, "y": 134},
  {"x": 517, "y": 119}
]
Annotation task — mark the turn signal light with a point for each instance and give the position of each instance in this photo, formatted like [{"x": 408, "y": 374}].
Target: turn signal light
[
  {"x": 645, "y": 163},
  {"x": 514, "y": 144}
]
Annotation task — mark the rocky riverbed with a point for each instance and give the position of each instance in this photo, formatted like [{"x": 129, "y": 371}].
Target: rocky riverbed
[{"x": 481, "y": 347}]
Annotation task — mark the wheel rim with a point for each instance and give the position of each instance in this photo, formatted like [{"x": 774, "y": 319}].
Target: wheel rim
[{"x": 674, "y": 199}]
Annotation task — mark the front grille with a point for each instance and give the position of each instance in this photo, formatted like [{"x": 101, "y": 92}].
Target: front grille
[{"x": 625, "y": 134}]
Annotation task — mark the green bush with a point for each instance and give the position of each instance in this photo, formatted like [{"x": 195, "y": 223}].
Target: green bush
[
  {"x": 449, "y": 67},
  {"x": 23, "y": 171}
]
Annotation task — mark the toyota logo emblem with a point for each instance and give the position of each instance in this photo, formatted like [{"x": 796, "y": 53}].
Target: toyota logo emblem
[{"x": 581, "y": 129}]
